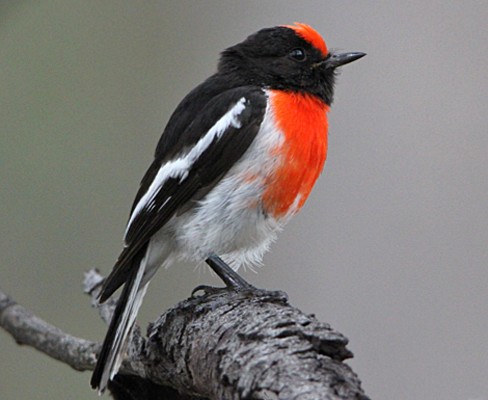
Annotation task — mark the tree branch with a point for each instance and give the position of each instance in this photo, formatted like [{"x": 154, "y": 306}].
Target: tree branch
[
  {"x": 30, "y": 330},
  {"x": 223, "y": 345}
]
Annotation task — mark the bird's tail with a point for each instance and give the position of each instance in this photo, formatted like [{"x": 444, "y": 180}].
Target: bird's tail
[{"x": 116, "y": 339}]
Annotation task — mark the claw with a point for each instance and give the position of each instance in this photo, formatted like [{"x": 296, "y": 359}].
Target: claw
[{"x": 207, "y": 290}]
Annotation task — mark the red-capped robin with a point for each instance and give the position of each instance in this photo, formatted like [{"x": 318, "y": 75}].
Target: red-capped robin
[{"x": 237, "y": 159}]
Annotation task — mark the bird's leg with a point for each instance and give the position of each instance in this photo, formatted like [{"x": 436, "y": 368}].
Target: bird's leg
[{"x": 231, "y": 278}]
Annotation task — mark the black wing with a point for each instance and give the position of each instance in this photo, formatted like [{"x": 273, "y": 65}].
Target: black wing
[
  {"x": 219, "y": 135},
  {"x": 176, "y": 136}
]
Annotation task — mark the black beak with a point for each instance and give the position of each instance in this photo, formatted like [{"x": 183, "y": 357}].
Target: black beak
[{"x": 336, "y": 60}]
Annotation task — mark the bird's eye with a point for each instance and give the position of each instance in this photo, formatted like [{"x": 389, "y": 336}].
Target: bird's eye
[{"x": 298, "y": 55}]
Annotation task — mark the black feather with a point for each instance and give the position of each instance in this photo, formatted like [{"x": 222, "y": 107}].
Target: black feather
[{"x": 115, "y": 321}]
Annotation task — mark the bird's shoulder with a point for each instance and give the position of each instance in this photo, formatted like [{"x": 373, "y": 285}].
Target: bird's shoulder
[{"x": 213, "y": 97}]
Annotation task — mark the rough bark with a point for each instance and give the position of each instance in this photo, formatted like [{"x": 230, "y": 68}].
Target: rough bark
[{"x": 222, "y": 345}]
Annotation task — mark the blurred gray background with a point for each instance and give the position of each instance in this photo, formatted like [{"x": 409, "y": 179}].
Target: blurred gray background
[{"x": 391, "y": 248}]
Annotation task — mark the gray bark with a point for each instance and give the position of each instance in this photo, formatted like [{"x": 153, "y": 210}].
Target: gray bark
[{"x": 222, "y": 345}]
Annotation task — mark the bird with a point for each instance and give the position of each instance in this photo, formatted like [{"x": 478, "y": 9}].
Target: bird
[{"x": 236, "y": 161}]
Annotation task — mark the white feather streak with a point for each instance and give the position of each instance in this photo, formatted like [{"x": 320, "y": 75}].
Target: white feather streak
[{"x": 180, "y": 167}]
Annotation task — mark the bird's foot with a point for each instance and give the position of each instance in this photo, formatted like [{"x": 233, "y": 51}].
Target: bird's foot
[{"x": 233, "y": 281}]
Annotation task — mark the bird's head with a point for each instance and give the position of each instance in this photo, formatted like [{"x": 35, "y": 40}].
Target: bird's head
[{"x": 291, "y": 57}]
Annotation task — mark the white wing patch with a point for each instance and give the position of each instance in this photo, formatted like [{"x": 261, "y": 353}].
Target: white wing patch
[{"x": 180, "y": 167}]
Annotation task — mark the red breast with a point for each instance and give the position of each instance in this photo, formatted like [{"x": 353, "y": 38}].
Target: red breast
[{"x": 302, "y": 119}]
